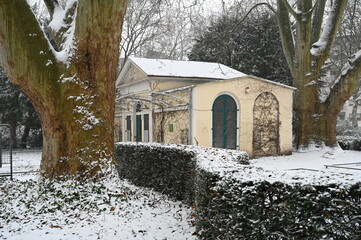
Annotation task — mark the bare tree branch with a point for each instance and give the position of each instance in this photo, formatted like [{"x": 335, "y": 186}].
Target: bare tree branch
[
  {"x": 30, "y": 62},
  {"x": 290, "y": 9},
  {"x": 287, "y": 37},
  {"x": 59, "y": 35},
  {"x": 51, "y": 5},
  {"x": 319, "y": 9},
  {"x": 249, "y": 12},
  {"x": 32, "y": 51},
  {"x": 316, "y": 5},
  {"x": 321, "y": 49},
  {"x": 141, "y": 18},
  {"x": 347, "y": 82}
]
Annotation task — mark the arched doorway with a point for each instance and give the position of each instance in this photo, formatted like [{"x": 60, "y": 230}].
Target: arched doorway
[
  {"x": 224, "y": 119},
  {"x": 266, "y": 125}
]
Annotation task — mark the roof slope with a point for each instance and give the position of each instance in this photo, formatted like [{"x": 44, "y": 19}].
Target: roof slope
[{"x": 187, "y": 69}]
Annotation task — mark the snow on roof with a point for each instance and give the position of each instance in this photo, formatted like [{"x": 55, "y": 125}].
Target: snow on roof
[{"x": 189, "y": 69}]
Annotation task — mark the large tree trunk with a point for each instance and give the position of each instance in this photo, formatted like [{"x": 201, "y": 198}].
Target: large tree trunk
[
  {"x": 74, "y": 98},
  {"x": 306, "y": 51},
  {"x": 315, "y": 121}
]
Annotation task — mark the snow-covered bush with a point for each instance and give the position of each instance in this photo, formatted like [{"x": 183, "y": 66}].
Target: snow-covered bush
[
  {"x": 345, "y": 128},
  {"x": 230, "y": 209},
  {"x": 349, "y": 142},
  {"x": 348, "y": 136},
  {"x": 238, "y": 201},
  {"x": 168, "y": 169}
]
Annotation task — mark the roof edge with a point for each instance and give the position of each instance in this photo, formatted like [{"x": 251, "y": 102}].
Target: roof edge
[{"x": 270, "y": 81}]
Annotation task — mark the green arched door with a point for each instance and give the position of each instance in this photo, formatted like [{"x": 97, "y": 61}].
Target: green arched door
[{"x": 224, "y": 122}]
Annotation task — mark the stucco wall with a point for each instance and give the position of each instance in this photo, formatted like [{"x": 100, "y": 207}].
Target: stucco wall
[
  {"x": 132, "y": 74},
  {"x": 172, "y": 106},
  {"x": 205, "y": 94},
  {"x": 173, "y": 124},
  {"x": 118, "y": 129},
  {"x": 171, "y": 117},
  {"x": 158, "y": 85}
]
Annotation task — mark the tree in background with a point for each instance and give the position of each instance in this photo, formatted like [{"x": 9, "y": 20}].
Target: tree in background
[
  {"x": 142, "y": 25},
  {"x": 31, "y": 132},
  {"x": 347, "y": 42},
  {"x": 17, "y": 111},
  {"x": 67, "y": 68},
  {"x": 10, "y": 106},
  {"x": 252, "y": 47},
  {"x": 161, "y": 29}
]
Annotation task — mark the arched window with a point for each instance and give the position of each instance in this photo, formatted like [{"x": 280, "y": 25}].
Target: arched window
[
  {"x": 224, "y": 129},
  {"x": 266, "y": 125}
]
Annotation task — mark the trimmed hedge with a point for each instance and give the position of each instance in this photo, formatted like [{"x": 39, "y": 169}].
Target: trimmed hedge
[
  {"x": 227, "y": 207},
  {"x": 349, "y": 143},
  {"x": 230, "y": 209},
  {"x": 166, "y": 169}
]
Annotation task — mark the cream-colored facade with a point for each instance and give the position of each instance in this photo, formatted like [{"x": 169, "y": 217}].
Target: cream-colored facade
[
  {"x": 234, "y": 111},
  {"x": 244, "y": 91}
]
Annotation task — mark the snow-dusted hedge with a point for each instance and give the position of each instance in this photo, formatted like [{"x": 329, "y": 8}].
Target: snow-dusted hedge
[
  {"x": 349, "y": 143},
  {"x": 231, "y": 209},
  {"x": 238, "y": 201},
  {"x": 170, "y": 169},
  {"x": 167, "y": 169}
]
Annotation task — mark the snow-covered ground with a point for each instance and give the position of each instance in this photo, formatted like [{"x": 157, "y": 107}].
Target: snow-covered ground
[
  {"x": 31, "y": 209},
  {"x": 313, "y": 160},
  {"x": 34, "y": 209},
  {"x": 316, "y": 165},
  {"x": 23, "y": 161}
]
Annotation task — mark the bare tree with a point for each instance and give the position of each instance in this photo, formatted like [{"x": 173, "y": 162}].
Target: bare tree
[
  {"x": 161, "y": 28},
  {"x": 141, "y": 25},
  {"x": 347, "y": 42},
  {"x": 307, "y": 49},
  {"x": 308, "y": 29}
]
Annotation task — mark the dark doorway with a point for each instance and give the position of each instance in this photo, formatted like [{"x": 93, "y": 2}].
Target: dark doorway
[
  {"x": 138, "y": 128},
  {"x": 224, "y": 129}
]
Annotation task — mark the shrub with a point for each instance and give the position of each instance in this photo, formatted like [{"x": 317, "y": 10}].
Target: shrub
[
  {"x": 169, "y": 170},
  {"x": 348, "y": 136},
  {"x": 349, "y": 143},
  {"x": 230, "y": 209},
  {"x": 235, "y": 201}
]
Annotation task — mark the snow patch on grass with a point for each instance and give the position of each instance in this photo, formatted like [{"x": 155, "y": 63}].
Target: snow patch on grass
[
  {"x": 31, "y": 208},
  {"x": 73, "y": 210}
]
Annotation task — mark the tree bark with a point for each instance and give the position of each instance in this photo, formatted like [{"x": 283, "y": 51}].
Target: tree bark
[
  {"x": 74, "y": 98},
  {"x": 306, "y": 49}
]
